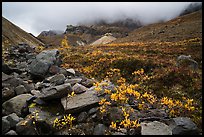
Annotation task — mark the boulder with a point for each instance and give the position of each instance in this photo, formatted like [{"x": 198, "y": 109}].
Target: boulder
[
  {"x": 186, "y": 61},
  {"x": 20, "y": 90},
  {"x": 7, "y": 93},
  {"x": 80, "y": 102},
  {"x": 5, "y": 76},
  {"x": 15, "y": 104},
  {"x": 26, "y": 127},
  {"x": 184, "y": 126},
  {"x": 82, "y": 117},
  {"x": 55, "y": 92},
  {"x": 88, "y": 82},
  {"x": 11, "y": 132},
  {"x": 70, "y": 71},
  {"x": 56, "y": 78},
  {"x": 73, "y": 81},
  {"x": 92, "y": 111},
  {"x": 5, "y": 125},
  {"x": 41, "y": 64},
  {"x": 78, "y": 88},
  {"x": 100, "y": 129},
  {"x": 13, "y": 119},
  {"x": 155, "y": 128},
  {"x": 54, "y": 69}
]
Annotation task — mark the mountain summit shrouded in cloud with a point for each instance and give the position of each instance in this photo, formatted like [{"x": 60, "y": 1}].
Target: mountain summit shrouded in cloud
[{"x": 35, "y": 17}]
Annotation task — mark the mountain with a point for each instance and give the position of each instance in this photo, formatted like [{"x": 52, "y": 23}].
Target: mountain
[
  {"x": 12, "y": 35},
  {"x": 50, "y": 33},
  {"x": 89, "y": 33},
  {"x": 191, "y": 8},
  {"x": 180, "y": 28}
]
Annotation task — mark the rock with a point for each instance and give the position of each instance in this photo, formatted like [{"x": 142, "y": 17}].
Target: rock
[
  {"x": 73, "y": 81},
  {"x": 56, "y": 78},
  {"x": 7, "y": 93},
  {"x": 46, "y": 116},
  {"x": 11, "y": 132},
  {"x": 40, "y": 102},
  {"x": 184, "y": 126},
  {"x": 13, "y": 119},
  {"x": 54, "y": 69},
  {"x": 63, "y": 71},
  {"x": 80, "y": 102},
  {"x": 5, "y": 125},
  {"x": 82, "y": 117},
  {"x": 14, "y": 82},
  {"x": 155, "y": 128},
  {"x": 92, "y": 111},
  {"x": 100, "y": 129},
  {"x": 41, "y": 64},
  {"x": 78, "y": 88},
  {"x": 88, "y": 82},
  {"x": 5, "y": 76},
  {"x": 26, "y": 127},
  {"x": 114, "y": 114},
  {"x": 35, "y": 93},
  {"x": 55, "y": 92},
  {"x": 25, "y": 110},
  {"x": 20, "y": 90},
  {"x": 70, "y": 71},
  {"x": 187, "y": 61},
  {"x": 43, "y": 127},
  {"x": 6, "y": 69},
  {"x": 15, "y": 104}
]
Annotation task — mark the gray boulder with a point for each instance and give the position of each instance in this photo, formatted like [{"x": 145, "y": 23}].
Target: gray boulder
[
  {"x": 187, "y": 61},
  {"x": 13, "y": 119},
  {"x": 5, "y": 125},
  {"x": 184, "y": 126},
  {"x": 155, "y": 128},
  {"x": 55, "y": 92},
  {"x": 41, "y": 64},
  {"x": 15, "y": 104},
  {"x": 82, "y": 117},
  {"x": 100, "y": 129},
  {"x": 56, "y": 78},
  {"x": 80, "y": 102},
  {"x": 20, "y": 90}
]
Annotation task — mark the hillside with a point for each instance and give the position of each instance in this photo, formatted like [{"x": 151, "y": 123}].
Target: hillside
[
  {"x": 13, "y": 35},
  {"x": 179, "y": 28}
]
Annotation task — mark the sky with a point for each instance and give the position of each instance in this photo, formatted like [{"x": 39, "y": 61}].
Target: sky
[{"x": 35, "y": 17}]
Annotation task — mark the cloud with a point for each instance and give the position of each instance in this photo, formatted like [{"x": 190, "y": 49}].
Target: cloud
[{"x": 35, "y": 17}]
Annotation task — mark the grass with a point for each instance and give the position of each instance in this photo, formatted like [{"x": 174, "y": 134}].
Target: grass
[{"x": 158, "y": 59}]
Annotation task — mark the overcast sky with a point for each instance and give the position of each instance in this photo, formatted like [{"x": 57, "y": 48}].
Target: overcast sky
[{"x": 35, "y": 17}]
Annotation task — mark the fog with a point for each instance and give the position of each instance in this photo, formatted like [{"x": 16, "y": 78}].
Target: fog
[{"x": 35, "y": 17}]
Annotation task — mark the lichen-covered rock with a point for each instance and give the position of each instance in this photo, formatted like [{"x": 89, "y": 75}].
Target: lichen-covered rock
[
  {"x": 55, "y": 92},
  {"x": 80, "y": 102}
]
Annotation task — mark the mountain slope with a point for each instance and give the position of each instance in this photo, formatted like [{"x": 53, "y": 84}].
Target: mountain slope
[
  {"x": 12, "y": 34},
  {"x": 180, "y": 28}
]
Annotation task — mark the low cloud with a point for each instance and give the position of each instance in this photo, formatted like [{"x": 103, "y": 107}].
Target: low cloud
[{"x": 35, "y": 17}]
